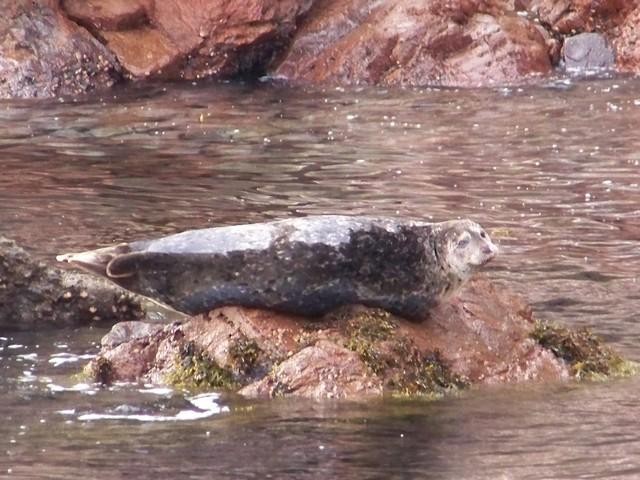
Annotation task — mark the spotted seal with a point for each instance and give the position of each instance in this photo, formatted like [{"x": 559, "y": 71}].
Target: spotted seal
[{"x": 306, "y": 266}]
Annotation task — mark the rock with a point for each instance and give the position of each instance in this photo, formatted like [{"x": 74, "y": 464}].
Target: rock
[
  {"x": 34, "y": 295},
  {"x": 322, "y": 370},
  {"x": 485, "y": 336},
  {"x": 574, "y": 16},
  {"x": 127, "y": 331},
  {"x": 110, "y": 15},
  {"x": 588, "y": 51},
  {"x": 190, "y": 38},
  {"x": 410, "y": 42},
  {"x": 627, "y": 43},
  {"x": 43, "y": 54},
  {"x": 70, "y": 47}
]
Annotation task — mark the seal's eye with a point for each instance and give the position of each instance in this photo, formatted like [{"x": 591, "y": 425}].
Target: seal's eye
[
  {"x": 483, "y": 235},
  {"x": 463, "y": 243}
]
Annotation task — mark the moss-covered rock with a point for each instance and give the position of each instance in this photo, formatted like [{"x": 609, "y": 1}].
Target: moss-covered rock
[
  {"x": 365, "y": 332},
  {"x": 424, "y": 374},
  {"x": 586, "y": 354},
  {"x": 484, "y": 336},
  {"x": 194, "y": 370},
  {"x": 99, "y": 370},
  {"x": 244, "y": 355},
  {"x": 393, "y": 356}
]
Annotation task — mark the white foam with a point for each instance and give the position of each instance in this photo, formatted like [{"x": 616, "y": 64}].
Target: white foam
[
  {"x": 164, "y": 391},
  {"x": 58, "y": 359},
  {"x": 206, "y": 404},
  {"x": 78, "y": 387}
]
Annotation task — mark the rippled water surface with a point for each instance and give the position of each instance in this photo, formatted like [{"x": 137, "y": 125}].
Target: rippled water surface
[{"x": 552, "y": 172}]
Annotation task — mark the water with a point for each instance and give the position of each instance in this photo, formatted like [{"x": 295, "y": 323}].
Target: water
[{"x": 552, "y": 172}]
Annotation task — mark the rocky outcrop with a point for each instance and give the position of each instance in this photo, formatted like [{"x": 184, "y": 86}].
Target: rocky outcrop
[
  {"x": 189, "y": 38},
  {"x": 43, "y": 54},
  {"x": 34, "y": 295},
  {"x": 568, "y": 17},
  {"x": 614, "y": 21},
  {"x": 627, "y": 43},
  {"x": 410, "y": 42},
  {"x": 485, "y": 336},
  {"x": 69, "y": 47}
]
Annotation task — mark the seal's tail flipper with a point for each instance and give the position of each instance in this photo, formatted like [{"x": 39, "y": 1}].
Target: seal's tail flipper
[{"x": 96, "y": 261}]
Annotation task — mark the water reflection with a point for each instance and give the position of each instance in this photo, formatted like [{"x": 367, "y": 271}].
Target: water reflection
[{"x": 553, "y": 173}]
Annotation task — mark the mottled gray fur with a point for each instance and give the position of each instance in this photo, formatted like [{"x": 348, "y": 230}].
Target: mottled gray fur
[{"x": 306, "y": 266}]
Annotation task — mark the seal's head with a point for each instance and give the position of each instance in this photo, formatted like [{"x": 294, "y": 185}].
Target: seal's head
[{"x": 463, "y": 247}]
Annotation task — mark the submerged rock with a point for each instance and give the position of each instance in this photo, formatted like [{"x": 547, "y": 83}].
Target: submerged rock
[
  {"x": 33, "y": 295},
  {"x": 487, "y": 335},
  {"x": 43, "y": 54}
]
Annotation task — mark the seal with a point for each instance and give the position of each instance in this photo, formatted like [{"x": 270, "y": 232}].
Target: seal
[{"x": 306, "y": 266}]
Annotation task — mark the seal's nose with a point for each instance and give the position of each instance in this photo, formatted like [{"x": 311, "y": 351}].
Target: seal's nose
[{"x": 489, "y": 250}]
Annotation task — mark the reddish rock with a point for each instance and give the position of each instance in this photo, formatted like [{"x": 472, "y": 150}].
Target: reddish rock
[
  {"x": 45, "y": 51},
  {"x": 190, "y": 38},
  {"x": 576, "y": 16},
  {"x": 322, "y": 370},
  {"x": 616, "y": 20},
  {"x": 484, "y": 336},
  {"x": 411, "y": 42},
  {"x": 43, "y": 54},
  {"x": 627, "y": 43},
  {"x": 109, "y": 14},
  {"x": 133, "y": 361}
]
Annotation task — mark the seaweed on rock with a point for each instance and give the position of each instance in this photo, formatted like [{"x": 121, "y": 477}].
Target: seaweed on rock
[
  {"x": 588, "y": 357},
  {"x": 194, "y": 370},
  {"x": 374, "y": 336}
]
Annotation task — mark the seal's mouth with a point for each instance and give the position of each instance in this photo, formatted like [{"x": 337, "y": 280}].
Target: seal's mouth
[{"x": 489, "y": 252}]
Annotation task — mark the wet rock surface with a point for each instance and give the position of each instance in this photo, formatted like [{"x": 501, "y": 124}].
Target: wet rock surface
[
  {"x": 404, "y": 42},
  {"x": 189, "y": 38},
  {"x": 485, "y": 336},
  {"x": 627, "y": 43},
  {"x": 74, "y": 46},
  {"x": 569, "y": 17},
  {"x": 43, "y": 54},
  {"x": 588, "y": 52},
  {"x": 321, "y": 370},
  {"x": 34, "y": 295}
]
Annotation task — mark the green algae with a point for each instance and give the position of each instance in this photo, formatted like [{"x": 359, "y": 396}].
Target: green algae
[
  {"x": 406, "y": 371},
  {"x": 587, "y": 356},
  {"x": 100, "y": 370},
  {"x": 435, "y": 376},
  {"x": 423, "y": 374},
  {"x": 365, "y": 331},
  {"x": 244, "y": 355},
  {"x": 194, "y": 370}
]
